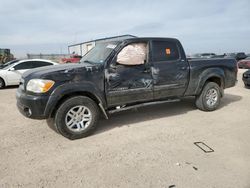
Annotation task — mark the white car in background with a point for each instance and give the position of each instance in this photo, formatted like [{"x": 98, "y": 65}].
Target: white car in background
[{"x": 11, "y": 74}]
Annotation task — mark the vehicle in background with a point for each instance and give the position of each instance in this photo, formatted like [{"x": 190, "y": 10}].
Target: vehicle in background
[
  {"x": 193, "y": 56},
  {"x": 219, "y": 56},
  {"x": 200, "y": 55},
  {"x": 11, "y": 74},
  {"x": 238, "y": 56},
  {"x": 72, "y": 59},
  {"x": 8, "y": 63},
  {"x": 207, "y": 55},
  {"x": 246, "y": 78},
  {"x": 244, "y": 63},
  {"x": 121, "y": 75},
  {"x": 5, "y": 55}
]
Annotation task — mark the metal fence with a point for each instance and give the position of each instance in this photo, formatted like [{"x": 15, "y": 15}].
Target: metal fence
[{"x": 52, "y": 57}]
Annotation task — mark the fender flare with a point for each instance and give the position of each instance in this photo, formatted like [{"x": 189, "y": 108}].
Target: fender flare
[
  {"x": 208, "y": 74},
  {"x": 66, "y": 90}
]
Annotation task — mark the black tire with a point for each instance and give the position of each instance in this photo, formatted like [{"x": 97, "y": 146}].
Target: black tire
[
  {"x": 69, "y": 105},
  {"x": 202, "y": 102},
  {"x": 68, "y": 62},
  {"x": 2, "y": 83},
  {"x": 51, "y": 123}
]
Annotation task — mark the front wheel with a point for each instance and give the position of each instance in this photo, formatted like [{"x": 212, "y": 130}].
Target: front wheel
[
  {"x": 209, "y": 98},
  {"x": 2, "y": 84},
  {"x": 77, "y": 117}
]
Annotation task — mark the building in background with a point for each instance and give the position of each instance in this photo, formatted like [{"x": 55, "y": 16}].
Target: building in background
[{"x": 84, "y": 47}]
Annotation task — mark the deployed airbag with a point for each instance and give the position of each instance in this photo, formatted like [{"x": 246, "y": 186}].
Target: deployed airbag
[{"x": 133, "y": 54}]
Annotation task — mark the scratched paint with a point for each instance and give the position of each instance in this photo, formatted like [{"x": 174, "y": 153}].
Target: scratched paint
[{"x": 129, "y": 77}]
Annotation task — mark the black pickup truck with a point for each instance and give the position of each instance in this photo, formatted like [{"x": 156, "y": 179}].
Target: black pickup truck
[{"x": 121, "y": 75}]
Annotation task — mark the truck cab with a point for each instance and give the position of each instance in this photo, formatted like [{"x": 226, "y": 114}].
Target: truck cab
[{"x": 146, "y": 69}]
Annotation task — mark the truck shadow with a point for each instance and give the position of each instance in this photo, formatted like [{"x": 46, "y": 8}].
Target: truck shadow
[
  {"x": 228, "y": 99},
  {"x": 148, "y": 113}
]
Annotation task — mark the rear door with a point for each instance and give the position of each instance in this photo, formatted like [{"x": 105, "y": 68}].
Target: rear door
[{"x": 170, "y": 69}]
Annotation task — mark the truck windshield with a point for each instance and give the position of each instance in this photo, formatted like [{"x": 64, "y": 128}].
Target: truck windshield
[{"x": 99, "y": 53}]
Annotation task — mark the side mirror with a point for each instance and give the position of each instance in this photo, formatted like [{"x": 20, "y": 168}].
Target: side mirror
[
  {"x": 113, "y": 65},
  {"x": 147, "y": 65},
  {"x": 12, "y": 69}
]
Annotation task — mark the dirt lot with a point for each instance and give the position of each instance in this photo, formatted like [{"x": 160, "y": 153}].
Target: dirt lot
[{"x": 150, "y": 147}]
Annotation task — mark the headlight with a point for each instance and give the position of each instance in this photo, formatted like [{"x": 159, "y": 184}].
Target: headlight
[{"x": 39, "y": 85}]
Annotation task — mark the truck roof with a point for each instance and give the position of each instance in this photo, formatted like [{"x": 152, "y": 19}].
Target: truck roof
[{"x": 138, "y": 39}]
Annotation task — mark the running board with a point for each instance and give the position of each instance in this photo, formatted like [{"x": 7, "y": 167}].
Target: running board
[{"x": 119, "y": 109}]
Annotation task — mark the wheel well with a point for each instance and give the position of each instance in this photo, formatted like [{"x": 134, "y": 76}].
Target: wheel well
[
  {"x": 3, "y": 81},
  {"x": 67, "y": 96},
  {"x": 216, "y": 80}
]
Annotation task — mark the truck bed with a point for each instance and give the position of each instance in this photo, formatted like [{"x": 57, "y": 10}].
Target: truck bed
[{"x": 226, "y": 67}]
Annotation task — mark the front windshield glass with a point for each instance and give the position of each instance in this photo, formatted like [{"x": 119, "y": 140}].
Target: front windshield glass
[{"x": 99, "y": 53}]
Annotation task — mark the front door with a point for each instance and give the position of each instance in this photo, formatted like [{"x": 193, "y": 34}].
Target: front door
[
  {"x": 170, "y": 70},
  {"x": 128, "y": 77}
]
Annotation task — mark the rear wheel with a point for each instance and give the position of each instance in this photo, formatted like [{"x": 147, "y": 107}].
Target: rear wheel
[
  {"x": 2, "y": 84},
  {"x": 77, "y": 117},
  {"x": 209, "y": 98}
]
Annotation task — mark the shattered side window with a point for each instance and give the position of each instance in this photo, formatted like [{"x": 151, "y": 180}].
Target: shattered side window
[{"x": 133, "y": 54}]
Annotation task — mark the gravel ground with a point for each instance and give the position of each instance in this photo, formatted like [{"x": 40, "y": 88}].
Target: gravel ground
[{"x": 149, "y": 147}]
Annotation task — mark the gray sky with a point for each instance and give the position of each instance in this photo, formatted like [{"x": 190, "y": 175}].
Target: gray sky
[{"x": 49, "y": 26}]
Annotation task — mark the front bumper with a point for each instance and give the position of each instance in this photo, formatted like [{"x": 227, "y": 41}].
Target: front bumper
[{"x": 31, "y": 106}]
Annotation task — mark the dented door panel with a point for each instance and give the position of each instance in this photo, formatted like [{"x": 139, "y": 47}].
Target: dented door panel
[
  {"x": 170, "y": 78},
  {"x": 129, "y": 84},
  {"x": 128, "y": 75}
]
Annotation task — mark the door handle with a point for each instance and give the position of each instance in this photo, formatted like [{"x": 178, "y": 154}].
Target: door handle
[
  {"x": 183, "y": 68},
  {"x": 146, "y": 71}
]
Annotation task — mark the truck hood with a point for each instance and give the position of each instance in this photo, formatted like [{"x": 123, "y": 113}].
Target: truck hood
[{"x": 59, "y": 72}]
